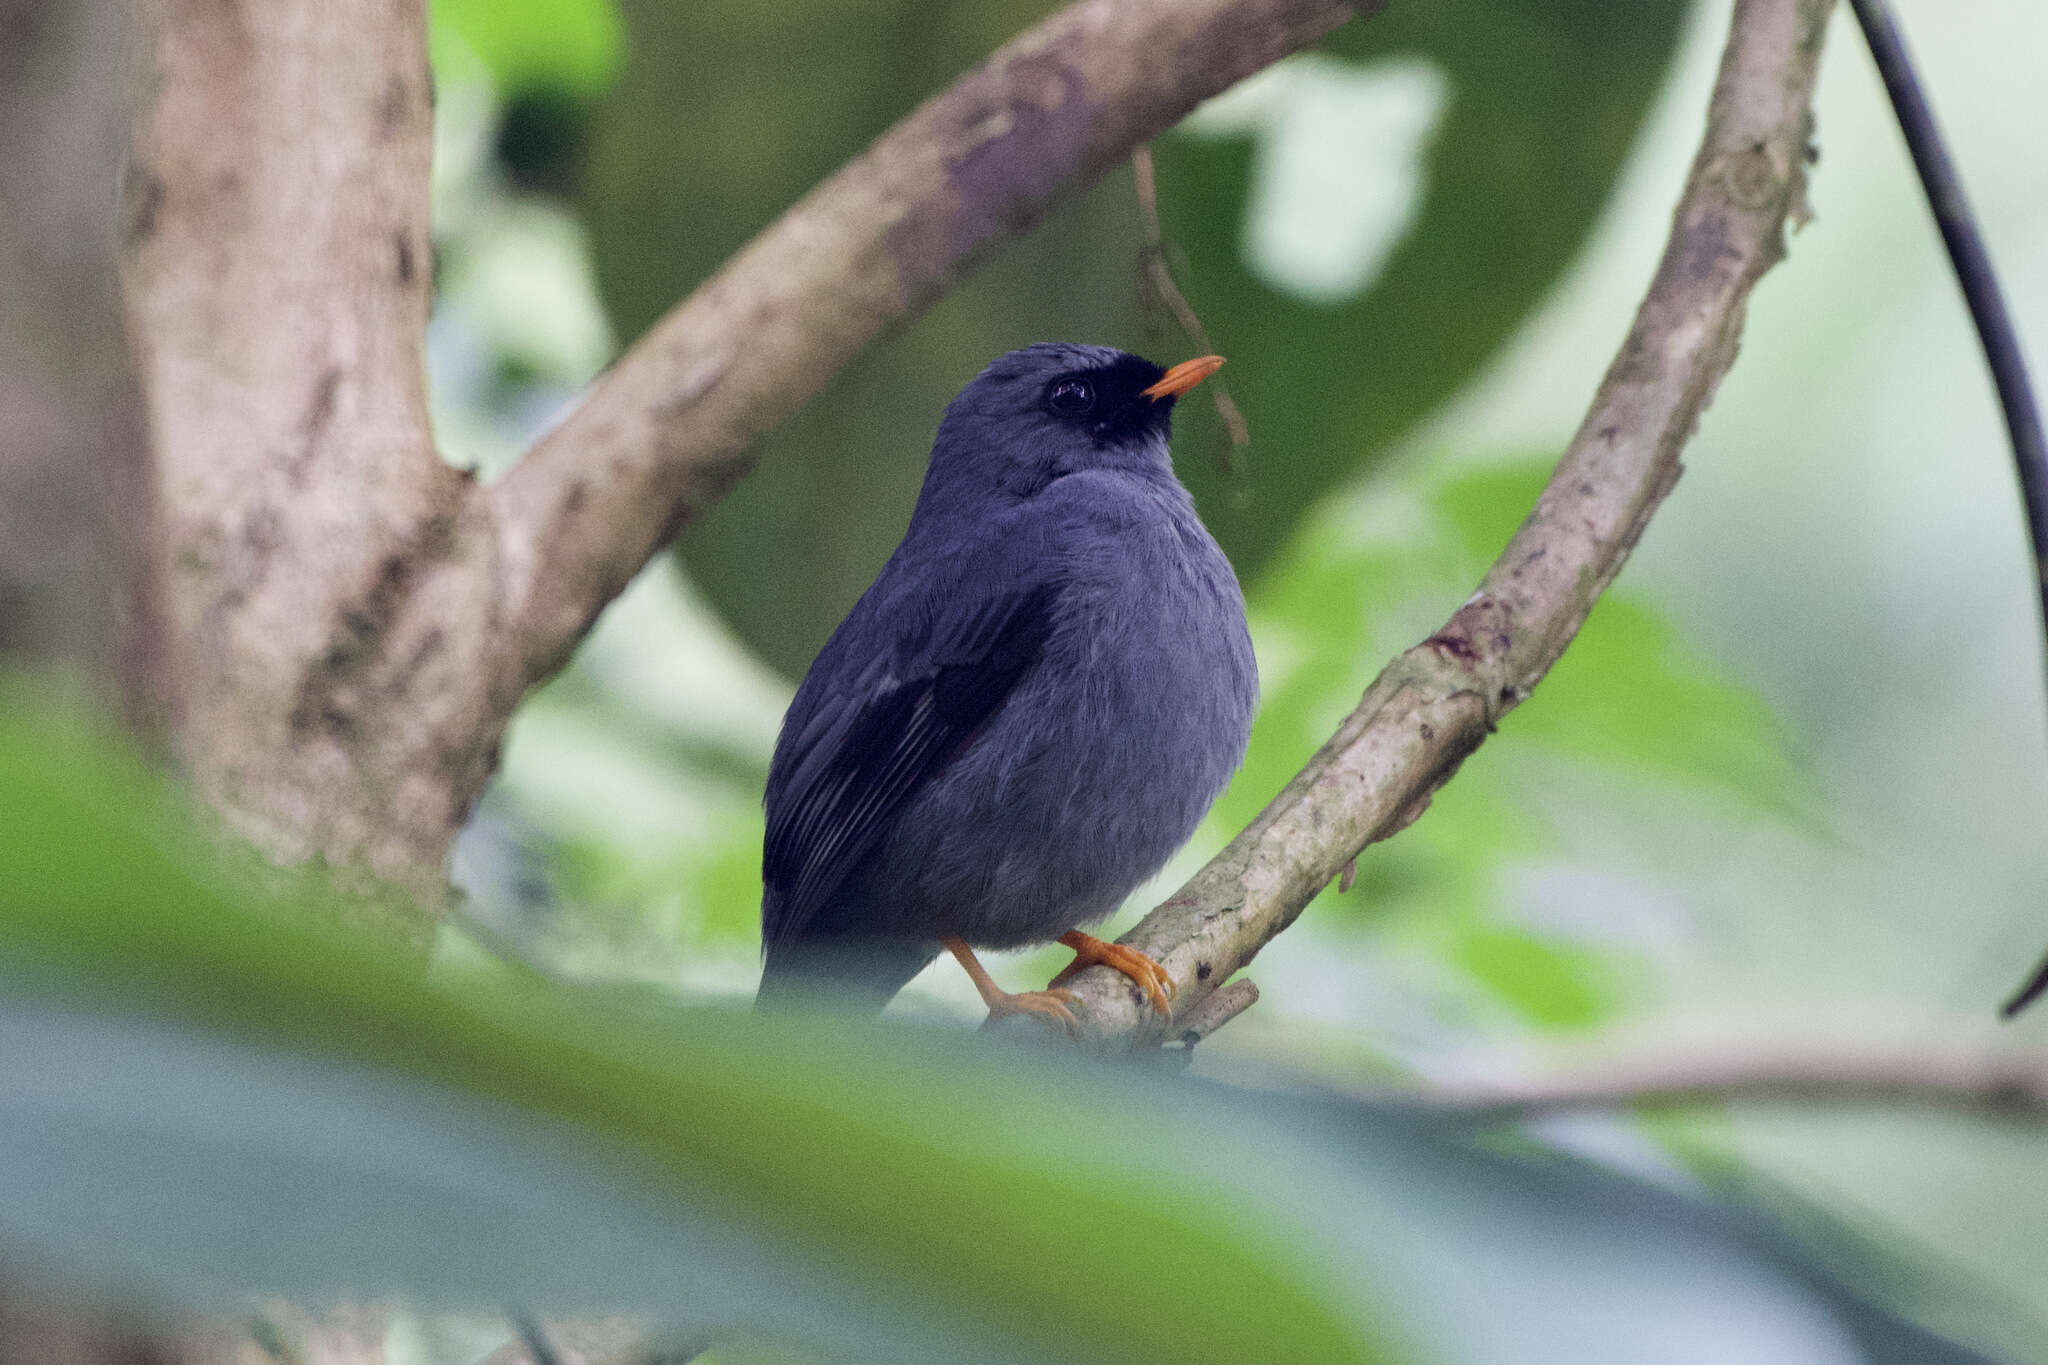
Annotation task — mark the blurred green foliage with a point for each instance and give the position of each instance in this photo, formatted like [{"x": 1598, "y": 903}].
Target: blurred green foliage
[
  {"x": 572, "y": 47},
  {"x": 929, "y": 1178},
  {"x": 280, "y": 1106}
]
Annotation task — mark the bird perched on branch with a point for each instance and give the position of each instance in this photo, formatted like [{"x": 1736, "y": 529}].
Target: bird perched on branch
[{"x": 1028, "y": 712}]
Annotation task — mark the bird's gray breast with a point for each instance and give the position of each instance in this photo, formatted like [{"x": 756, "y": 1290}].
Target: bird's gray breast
[{"x": 1105, "y": 758}]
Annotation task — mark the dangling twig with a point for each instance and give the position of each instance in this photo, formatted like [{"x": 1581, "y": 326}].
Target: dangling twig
[{"x": 1155, "y": 281}]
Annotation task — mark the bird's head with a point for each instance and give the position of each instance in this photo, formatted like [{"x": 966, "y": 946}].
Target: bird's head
[{"x": 1057, "y": 408}]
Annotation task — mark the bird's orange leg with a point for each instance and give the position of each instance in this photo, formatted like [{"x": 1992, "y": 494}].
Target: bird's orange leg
[
  {"x": 1090, "y": 951},
  {"x": 1047, "y": 1004}
]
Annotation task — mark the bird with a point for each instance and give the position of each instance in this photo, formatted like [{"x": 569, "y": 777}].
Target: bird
[{"x": 1029, "y": 710}]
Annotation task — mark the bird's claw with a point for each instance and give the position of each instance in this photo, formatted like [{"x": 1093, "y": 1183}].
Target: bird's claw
[
  {"x": 1090, "y": 951},
  {"x": 1048, "y": 1004}
]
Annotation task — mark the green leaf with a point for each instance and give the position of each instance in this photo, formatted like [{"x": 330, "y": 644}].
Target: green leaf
[{"x": 567, "y": 47}]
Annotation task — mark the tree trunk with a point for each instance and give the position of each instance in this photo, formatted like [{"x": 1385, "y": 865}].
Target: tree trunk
[{"x": 278, "y": 266}]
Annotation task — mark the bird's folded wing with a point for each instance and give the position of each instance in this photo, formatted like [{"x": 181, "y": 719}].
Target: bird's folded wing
[{"x": 861, "y": 757}]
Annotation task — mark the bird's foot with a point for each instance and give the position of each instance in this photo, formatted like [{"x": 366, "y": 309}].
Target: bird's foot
[
  {"x": 1050, "y": 1005},
  {"x": 1090, "y": 951},
  {"x": 1047, "y": 1004}
]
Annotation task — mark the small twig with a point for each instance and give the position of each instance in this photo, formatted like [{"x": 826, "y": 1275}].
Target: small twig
[
  {"x": 2005, "y": 1084},
  {"x": 1218, "y": 1010},
  {"x": 1156, "y": 274},
  {"x": 1995, "y": 331}
]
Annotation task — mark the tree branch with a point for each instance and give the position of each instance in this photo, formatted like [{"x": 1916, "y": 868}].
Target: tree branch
[
  {"x": 668, "y": 430},
  {"x": 1192, "y": 1025},
  {"x": 2004, "y": 1083},
  {"x": 1436, "y": 703}
]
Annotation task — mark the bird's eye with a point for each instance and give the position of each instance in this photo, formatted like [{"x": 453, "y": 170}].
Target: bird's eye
[{"x": 1070, "y": 397}]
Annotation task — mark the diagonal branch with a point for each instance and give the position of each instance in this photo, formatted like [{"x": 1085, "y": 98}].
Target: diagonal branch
[
  {"x": 1436, "y": 703},
  {"x": 669, "y": 429}
]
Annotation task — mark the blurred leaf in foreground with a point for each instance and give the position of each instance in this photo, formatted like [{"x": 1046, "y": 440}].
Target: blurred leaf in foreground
[
  {"x": 291, "y": 1109},
  {"x": 211, "y": 1097}
]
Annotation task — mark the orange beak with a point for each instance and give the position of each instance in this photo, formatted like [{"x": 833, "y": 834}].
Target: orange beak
[{"x": 1184, "y": 376}]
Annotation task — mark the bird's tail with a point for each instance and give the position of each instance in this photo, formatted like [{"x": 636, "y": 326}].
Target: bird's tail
[{"x": 853, "y": 974}]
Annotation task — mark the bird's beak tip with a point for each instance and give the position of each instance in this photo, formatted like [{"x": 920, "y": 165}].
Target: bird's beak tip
[{"x": 1184, "y": 376}]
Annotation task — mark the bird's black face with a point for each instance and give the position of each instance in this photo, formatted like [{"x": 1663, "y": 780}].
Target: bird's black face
[
  {"x": 1038, "y": 414},
  {"x": 1109, "y": 402}
]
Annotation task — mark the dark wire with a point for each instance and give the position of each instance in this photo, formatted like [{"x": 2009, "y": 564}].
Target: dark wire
[{"x": 1987, "y": 310}]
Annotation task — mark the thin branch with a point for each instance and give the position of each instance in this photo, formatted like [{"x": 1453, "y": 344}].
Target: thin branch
[
  {"x": 1437, "y": 702},
  {"x": 2010, "y": 1084},
  {"x": 669, "y": 429},
  {"x": 1213, "y": 1013},
  {"x": 1156, "y": 276}
]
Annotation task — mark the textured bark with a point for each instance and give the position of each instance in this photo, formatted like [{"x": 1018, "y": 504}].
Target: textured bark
[
  {"x": 328, "y": 577},
  {"x": 1440, "y": 700}
]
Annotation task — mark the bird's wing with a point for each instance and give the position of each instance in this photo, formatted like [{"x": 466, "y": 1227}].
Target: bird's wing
[{"x": 857, "y": 759}]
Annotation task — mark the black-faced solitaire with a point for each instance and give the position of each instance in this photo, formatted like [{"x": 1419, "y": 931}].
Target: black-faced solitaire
[{"x": 1029, "y": 710}]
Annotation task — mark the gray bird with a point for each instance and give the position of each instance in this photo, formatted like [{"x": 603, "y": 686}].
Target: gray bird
[{"x": 1029, "y": 710}]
